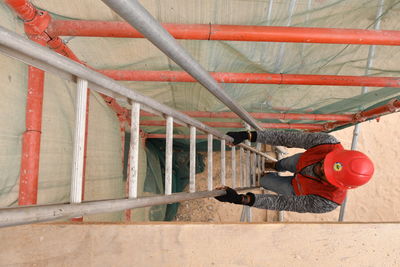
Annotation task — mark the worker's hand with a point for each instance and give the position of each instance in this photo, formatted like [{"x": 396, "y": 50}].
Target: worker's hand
[
  {"x": 231, "y": 196},
  {"x": 238, "y": 137}
]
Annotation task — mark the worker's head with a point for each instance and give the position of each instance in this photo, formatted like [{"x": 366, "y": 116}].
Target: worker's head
[{"x": 347, "y": 168}]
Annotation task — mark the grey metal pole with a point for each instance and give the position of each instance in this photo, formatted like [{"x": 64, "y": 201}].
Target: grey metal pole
[
  {"x": 79, "y": 141},
  {"x": 210, "y": 162},
  {"x": 43, "y": 213},
  {"x": 233, "y": 166},
  {"x": 281, "y": 213},
  {"x": 192, "y": 167},
  {"x": 356, "y": 132},
  {"x": 168, "y": 155},
  {"x": 223, "y": 163},
  {"x": 137, "y": 16},
  {"x": 241, "y": 167},
  {"x": 134, "y": 151},
  {"x": 253, "y": 166}
]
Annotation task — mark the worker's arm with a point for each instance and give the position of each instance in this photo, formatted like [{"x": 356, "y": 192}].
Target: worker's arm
[
  {"x": 294, "y": 138},
  {"x": 302, "y": 204},
  {"x": 284, "y": 138}
]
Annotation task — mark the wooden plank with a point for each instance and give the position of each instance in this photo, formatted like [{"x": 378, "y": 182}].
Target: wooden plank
[{"x": 173, "y": 244}]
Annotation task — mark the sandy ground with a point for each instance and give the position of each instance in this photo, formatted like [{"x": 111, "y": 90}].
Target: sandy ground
[{"x": 375, "y": 202}]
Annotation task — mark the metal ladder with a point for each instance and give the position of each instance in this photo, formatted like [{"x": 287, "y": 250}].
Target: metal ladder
[{"x": 18, "y": 47}]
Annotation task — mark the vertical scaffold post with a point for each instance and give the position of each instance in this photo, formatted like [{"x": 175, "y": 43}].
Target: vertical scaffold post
[
  {"x": 258, "y": 146},
  {"x": 281, "y": 213},
  {"x": 241, "y": 167},
  {"x": 254, "y": 164},
  {"x": 192, "y": 170},
  {"x": 168, "y": 155},
  {"x": 233, "y": 167},
  {"x": 223, "y": 163},
  {"x": 79, "y": 141},
  {"x": 210, "y": 161},
  {"x": 134, "y": 151},
  {"x": 370, "y": 59},
  {"x": 246, "y": 212}
]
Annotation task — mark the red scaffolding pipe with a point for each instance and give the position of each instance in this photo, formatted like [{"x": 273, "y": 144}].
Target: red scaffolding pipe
[
  {"x": 392, "y": 106},
  {"x": 230, "y": 32},
  {"x": 30, "y": 154},
  {"x": 36, "y": 27},
  {"x": 29, "y": 170},
  {"x": 256, "y": 115},
  {"x": 256, "y": 78}
]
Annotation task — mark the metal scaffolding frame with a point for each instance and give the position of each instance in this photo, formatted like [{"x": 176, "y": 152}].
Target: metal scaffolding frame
[
  {"x": 16, "y": 46},
  {"x": 33, "y": 54}
]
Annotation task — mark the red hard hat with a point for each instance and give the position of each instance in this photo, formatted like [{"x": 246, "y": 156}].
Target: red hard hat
[{"x": 347, "y": 168}]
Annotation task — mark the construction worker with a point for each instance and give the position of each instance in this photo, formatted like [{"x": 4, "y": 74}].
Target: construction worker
[{"x": 321, "y": 175}]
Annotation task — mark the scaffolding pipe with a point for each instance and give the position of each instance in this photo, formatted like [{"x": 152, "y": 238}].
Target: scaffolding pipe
[
  {"x": 141, "y": 19},
  {"x": 30, "y": 155},
  {"x": 258, "y": 147},
  {"x": 223, "y": 163},
  {"x": 210, "y": 162},
  {"x": 231, "y": 32},
  {"x": 79, "y": 141},
  {"x": 253, "y": 166},
  {"x": 241, "y": 168},
  {"x": 192, "y": 167},
  {"x": 168, "y": 155},
  {"x": 233, "y": 151},
  {"x": 254, "y": 78},
  {"x": 36, "y": 23},
  {"x": 220, "y": 124},
  {"x": 25, "y": 10},
  {"x": 357, "y": 127},
  {"x": 390, "y": 107},
  {"x": 52, "y": 212},
  {"x": 260, "y": 116},
  {"x": 134, "y": 151}
]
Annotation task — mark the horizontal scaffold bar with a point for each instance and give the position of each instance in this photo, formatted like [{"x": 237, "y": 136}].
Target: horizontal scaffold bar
[
  {"x": 231, "y": 32},
  {"x": 390, "y": 107},
  {"x": 43, "y": 213},
  {"x": 219, "y": 124},
  {"x": 254, "y": 78},
  {"x": 260, "y": 115}
]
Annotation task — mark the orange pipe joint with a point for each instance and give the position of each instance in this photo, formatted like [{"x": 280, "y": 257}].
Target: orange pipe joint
[
  {"x": 35, "y": 21},
  {"x": 25, "y": 10}
]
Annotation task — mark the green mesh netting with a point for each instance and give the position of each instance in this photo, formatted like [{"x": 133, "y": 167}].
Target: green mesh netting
[{"x": 104, "y": 172}]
